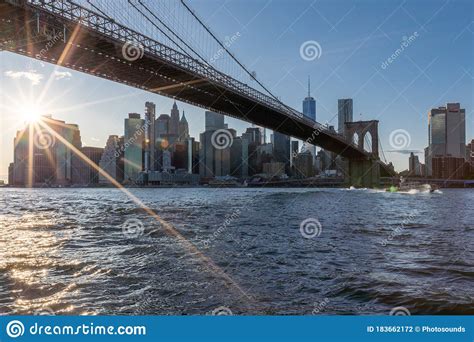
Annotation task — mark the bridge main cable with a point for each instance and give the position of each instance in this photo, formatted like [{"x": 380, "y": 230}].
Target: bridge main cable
[{"x": 233, "y": 57}]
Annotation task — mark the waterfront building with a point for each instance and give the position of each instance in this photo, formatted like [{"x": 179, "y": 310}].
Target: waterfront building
[
  {"x": 111, "y": 160},
  {"x": 84, "y": 174},
  {"x": 446, "y": 135},
  {"x": 274, "y": 169},
  {"x": 180, "y": 155},
  {"x": 415, "y": 168},
  {"x": 253, "y": 135},
  {"x": 180, "y": 177},
  {"x": 213, "y": 162},
  {"x": 304, "y": 166},
  {"x": 193, "y": 155},
  {"x": 133, "y": 147},
  {"x": 239, "y": 167},
  {"x": 40, "y": 158},
  {"x": 11, "y": 170},
  {"x": 149, "y": 139},
  {"x": 447, "y": 167},
  {"x": 281, "y": 150},
  {"x": 470, "y": 155}
]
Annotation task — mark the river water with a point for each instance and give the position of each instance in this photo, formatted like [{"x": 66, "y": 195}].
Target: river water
[{"x": 239, "y": 251}]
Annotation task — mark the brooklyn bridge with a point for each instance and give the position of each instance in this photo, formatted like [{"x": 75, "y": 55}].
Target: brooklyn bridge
[{"x": 94, "y": 40}]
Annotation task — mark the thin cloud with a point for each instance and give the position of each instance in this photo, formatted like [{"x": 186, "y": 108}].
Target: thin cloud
[
  {"x": 59, "y": 75},
  {"x": 405, "y": 151},
  {"x": 34, "y": 77}
]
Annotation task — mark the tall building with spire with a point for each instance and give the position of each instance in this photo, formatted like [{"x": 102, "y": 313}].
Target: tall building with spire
[
  {"x": 309, "y": 111},
  {"x": 309, "y": 104},
  {"x": 183, "y": 128},
  {"x": 174, "y": 121}
]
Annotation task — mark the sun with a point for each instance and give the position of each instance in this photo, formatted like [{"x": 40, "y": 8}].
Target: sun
[{"x": 30, "y": 113}]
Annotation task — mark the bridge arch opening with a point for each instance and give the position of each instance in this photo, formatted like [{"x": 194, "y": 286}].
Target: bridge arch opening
[
  {"x": 368, "y": 142},
  {"x": 355, "y": 138}
]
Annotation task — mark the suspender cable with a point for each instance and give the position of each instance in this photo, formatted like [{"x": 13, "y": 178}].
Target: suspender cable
[
  {"x": 170, "y": 30},
  {"x": 232, "y": 56}
]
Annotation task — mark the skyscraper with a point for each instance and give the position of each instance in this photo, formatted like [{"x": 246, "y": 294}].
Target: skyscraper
[
  {"x": 133, "y": 145},
  {"x": 414, "y": 165},
  {"x": 150, "y": 153},
  {"x": 183, "y": 128},
  {"x": 344, "y": 113},
  {"x": 162, "y": 125},
  {"x": 112, "y": 160},
  {"x": 281, "y": 150},
  {"x": 213, "y": 161},
  {"x": 309, "y": 104},
  {"x": 446, "y": 134},
  {"x": 294, "y": 151},
  {"x": 40, "y": 158},
  {"x": 309, "y": 111},
  {"x": 174, "y": 121},
  {"x": 214, "y": 121}
]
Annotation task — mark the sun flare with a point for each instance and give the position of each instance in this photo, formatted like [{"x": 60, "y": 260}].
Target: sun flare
[{"x": 30, "y": 113}]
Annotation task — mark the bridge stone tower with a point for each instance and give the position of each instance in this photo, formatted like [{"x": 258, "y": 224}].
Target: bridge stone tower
[{"x": 363, "y": 172}]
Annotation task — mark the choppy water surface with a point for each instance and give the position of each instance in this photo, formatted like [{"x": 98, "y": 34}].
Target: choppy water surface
[{"x": 83, "y": 251}]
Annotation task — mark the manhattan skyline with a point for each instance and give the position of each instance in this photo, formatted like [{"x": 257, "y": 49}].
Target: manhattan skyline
[{"x": 353, "y": 48}]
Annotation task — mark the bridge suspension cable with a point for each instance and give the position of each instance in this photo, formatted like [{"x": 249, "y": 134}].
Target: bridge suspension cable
[
  {"x": 168, "y": 28},
  {"x": 252, "y": 75}
]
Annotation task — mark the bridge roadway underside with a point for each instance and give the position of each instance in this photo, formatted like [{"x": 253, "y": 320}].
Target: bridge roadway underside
[{"x": 92, "y": 52}]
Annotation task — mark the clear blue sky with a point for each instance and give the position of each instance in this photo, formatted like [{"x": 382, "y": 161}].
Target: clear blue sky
[{"x": 356, "y": 37}]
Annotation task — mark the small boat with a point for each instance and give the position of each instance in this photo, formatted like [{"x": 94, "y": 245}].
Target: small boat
[{"x": 405, "y": 186}]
